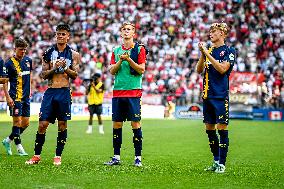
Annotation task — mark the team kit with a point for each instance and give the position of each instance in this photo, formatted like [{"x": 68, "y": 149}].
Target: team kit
[{"x": 60, "y": 65}]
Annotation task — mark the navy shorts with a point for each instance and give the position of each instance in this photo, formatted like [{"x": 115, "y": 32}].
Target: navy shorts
[
  {"x": 56, "y": 104},
  {"x": 216, "y": 111},
  {"x": 21, "y": 108},
  {"x": 95, "y": 109},
  {"x": 126, "y": 109}
]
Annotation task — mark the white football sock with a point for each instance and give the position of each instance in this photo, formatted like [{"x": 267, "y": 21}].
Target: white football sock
[
  {"x": 138, "y": 157},
  {"x": 20, "y": 147},
  {"x": 117, "y": 157}
]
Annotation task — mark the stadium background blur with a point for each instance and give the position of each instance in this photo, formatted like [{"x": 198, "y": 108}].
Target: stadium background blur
[{"x": 171, "y": 30}]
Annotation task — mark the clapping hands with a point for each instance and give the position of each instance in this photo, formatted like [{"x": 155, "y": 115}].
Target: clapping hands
[
  {"x": 124, "y": 56},
  {"x": 60, "y": 63},
  {"x": 202, "y": 47}
]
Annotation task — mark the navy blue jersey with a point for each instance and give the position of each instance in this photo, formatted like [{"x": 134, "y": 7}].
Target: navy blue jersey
[
  {"x": 19, "y": 73},
  {"x": 3, "y": 71},
  {"x": 216, "y": 85},
  {"x": 52, "y": 54}
]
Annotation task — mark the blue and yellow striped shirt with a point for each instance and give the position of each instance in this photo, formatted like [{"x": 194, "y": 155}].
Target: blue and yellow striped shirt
[
  {"x": 19, "y": 73},
  {"x": 215, "y": 84}
]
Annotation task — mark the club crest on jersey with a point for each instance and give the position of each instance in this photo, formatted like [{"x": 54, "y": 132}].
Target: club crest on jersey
[
  {"x": 222, "y": 53},
  {"x": 232, "y": 56}
]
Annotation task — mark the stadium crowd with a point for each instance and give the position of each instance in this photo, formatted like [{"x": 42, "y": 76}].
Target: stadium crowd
[{"x": 171, "y": 29}]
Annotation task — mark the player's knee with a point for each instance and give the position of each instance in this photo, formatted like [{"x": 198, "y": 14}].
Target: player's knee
[
  {"x": 42, "y": 127},
  {"x": 210, "y": 126},
  {"x": 25, "y": 123},
  {"x": 117, "y": 125},
  {"x": 135, "y": 125},
  {"x": 222, "y": 127},
  {"x": 62, "y": 125}
]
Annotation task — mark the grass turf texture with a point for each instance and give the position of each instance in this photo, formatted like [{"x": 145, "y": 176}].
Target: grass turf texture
[{"x": 175, "y": 152}]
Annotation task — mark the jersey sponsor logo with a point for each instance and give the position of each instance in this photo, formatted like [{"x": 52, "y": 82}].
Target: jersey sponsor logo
[
  {"x": 24, "y": 73},
  {"x": 4, "y": 70},
  {"x": 232, "y": 57},
  {"x": 222, "y": 53}
]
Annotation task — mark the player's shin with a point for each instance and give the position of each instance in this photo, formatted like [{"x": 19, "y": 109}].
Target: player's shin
[
  {"x": 223, "y": 146},
  {"x": 17, "y": 138},
  {"x": 117, "y": 141},
  {"x": 15, "y": 132},
  {"x": 213, "y": 143},
  {"x": 40, "y": 139},
  {"x": 22, "y": 129},
  {"x": 61, "y": 140},
  {"x": 137, "y": 141}
]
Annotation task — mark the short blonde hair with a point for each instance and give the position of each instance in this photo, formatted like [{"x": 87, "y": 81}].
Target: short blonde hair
[
  {"x": 220, "y": 26},
  {"x": 125, "y": 24}
]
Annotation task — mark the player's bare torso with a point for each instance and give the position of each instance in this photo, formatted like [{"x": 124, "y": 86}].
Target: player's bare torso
[{"x": 60, "y": 80}]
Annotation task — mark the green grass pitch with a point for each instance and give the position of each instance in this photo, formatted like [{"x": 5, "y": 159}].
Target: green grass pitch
[{"x": 175, "y": 152}]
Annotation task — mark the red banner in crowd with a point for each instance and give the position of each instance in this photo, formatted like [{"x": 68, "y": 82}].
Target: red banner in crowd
[
  {"x": 248, "y": 77},
  {"x": 238, "y": 79}
]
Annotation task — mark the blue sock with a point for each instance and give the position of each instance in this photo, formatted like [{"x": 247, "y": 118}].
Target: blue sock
[
  {"x": 223, "y": 146},
  {"x": 61, "y": 140},
  {"x": 117, "y": 140},
  {"x": 15, "y": 135},
  {"x": 40, "y": 139},
  {"x": 213, "y": 143},
  {"x": 137, "y": 141}
]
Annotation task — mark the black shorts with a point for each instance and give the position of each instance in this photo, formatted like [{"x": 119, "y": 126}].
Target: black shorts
[{"x": 95, "y": 109}]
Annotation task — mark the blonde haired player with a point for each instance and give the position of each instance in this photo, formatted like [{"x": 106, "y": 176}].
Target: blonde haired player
[
  {"x": 127, "y": 65},
  {"x": 216, "y": 63}
]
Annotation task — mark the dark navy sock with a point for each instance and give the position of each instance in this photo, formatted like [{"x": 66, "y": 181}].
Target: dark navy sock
[
  {"x": 117, "y": 140},
  {"x": 40, "y": 139},
  {"x": 213, "y": 143},
  {"x": 61, "y": 140},
  {"x": 17, "y": 139},
  {"x": 15, "y": 135},
  {"x": 15, "y": 132},
  {"x": 137, "y": 141},
  {"x": 223, "y": 146},
  {"x": 22, "y": 130}
]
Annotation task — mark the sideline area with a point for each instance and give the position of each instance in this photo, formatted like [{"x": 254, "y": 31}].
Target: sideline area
[{"x": 4, "y": 118}]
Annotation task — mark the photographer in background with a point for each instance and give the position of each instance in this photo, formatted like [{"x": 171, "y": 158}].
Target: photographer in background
[{"x": 95, "y": 95}]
